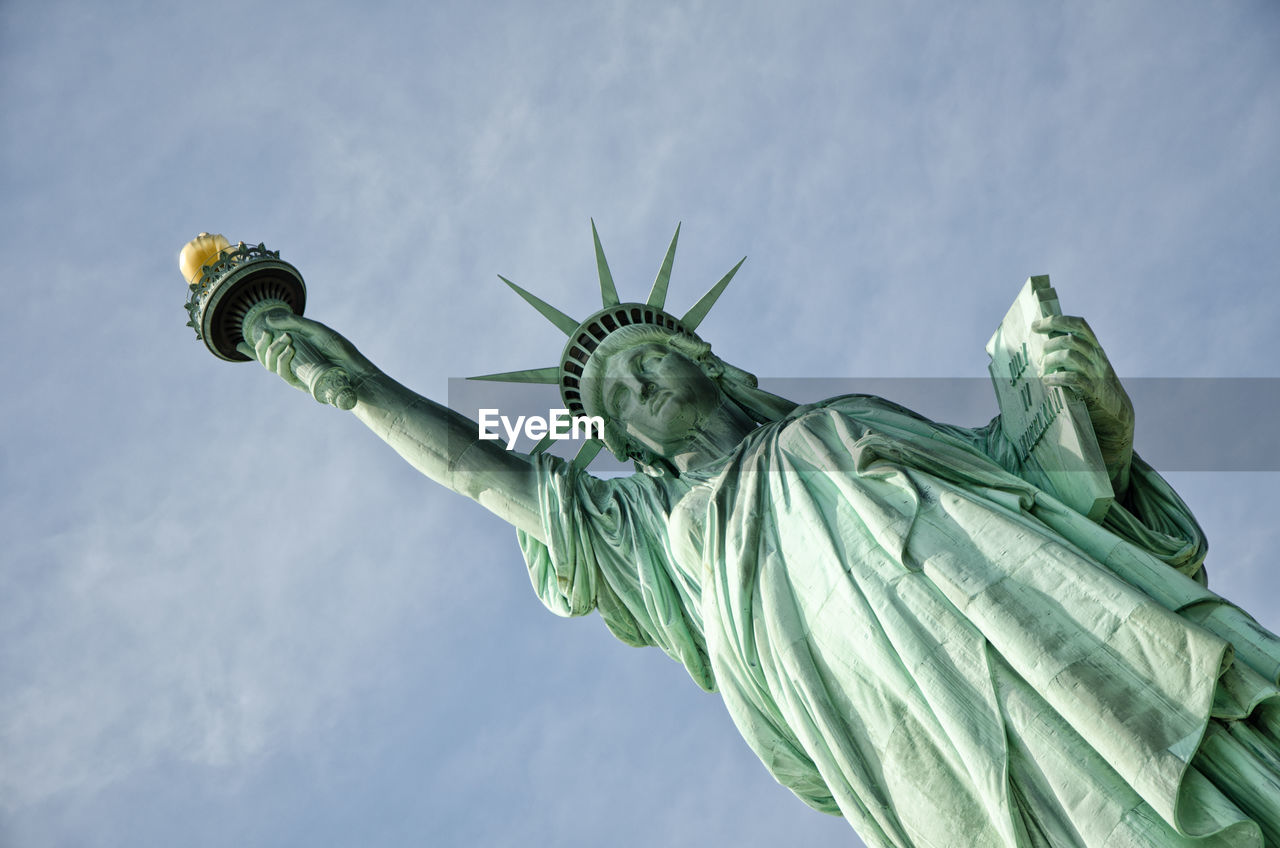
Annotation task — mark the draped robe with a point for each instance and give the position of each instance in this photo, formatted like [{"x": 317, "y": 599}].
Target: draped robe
[{"x": 910, "y": 632}]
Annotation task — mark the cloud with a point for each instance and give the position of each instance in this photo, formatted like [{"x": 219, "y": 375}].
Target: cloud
[{"x": 231, "y": 615}]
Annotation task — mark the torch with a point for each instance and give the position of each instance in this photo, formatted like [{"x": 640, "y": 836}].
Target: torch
[{"x": 232, "y": 289}]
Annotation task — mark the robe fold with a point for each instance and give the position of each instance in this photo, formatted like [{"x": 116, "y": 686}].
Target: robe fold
[{"x": 909, "y": 631}]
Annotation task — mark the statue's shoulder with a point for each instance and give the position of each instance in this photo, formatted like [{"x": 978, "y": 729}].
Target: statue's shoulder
[
  {"x": 859, "y": 406},
  {"x": 656, "y": 493},
  {"x": 856, "y": 415}
]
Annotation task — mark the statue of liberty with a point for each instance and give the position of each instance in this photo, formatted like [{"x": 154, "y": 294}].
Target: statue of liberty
[{"x": 906, "y": 625}]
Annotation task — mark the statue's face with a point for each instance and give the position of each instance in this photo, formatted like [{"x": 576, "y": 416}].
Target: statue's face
[{"x": 658, "y": 395}]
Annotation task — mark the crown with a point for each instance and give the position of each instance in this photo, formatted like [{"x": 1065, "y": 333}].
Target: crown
[{"x": 584, "y": 337}]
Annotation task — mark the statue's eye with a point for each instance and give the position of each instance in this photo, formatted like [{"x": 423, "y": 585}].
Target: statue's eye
[{"x": 618, "y": 400}]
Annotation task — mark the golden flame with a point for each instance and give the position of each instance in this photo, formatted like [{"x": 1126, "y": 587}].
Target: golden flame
[{"x": 200, "y": 251}]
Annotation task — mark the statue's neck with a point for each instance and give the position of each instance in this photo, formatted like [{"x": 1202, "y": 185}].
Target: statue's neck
[{"x": 724, "y": 428}]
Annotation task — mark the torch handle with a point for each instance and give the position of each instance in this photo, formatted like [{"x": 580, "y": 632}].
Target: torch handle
[{"x": 327, "y": 383}]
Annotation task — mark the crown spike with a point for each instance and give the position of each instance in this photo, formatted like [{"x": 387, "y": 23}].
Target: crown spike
[
  {"x": 694, "y": 316},
  {"x": 547, "y": 376},
  {"x": 590, "y": 448},
  {"x": 608, "y": 291},
  {"x": 584, "y": 337},
  {"x": 566, "y": 324},
  {"x": 542, "y": 445},
  {"x": 658, "y": 294}
]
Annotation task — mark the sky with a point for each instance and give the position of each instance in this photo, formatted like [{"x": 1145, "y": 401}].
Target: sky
[{"x": 229, "y": 615}]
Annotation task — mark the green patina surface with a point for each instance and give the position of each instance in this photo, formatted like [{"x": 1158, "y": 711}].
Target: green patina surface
[{"x": 913, "y": 625}]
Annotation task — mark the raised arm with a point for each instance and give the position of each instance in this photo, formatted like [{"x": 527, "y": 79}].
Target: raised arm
[{"x": 434, "y": 439}]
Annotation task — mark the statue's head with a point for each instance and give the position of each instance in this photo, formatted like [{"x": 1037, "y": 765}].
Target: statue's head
[
  {"x": 653, "y": 386},
  {"x": 643, "y": 370}
]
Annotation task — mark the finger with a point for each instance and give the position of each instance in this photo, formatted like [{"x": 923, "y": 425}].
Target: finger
[
  {"x": 1069, "y": 360},
  {"x": 261, "y": 344},
  {"x": 325, "y": 339},
  {"x": 245, "y": 350},
  {"x": 276, "y": 350},
  {"x": 284, "y": 363},
  {"x": 1072, "y": 380},
  {"x": 279, "y": 360},
  {"x": 1064, "y": 324},
  {"x": 1083, "y": 346},
  {"x": 270, "y": 353},
  {"x": 283, "y": 319}
]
